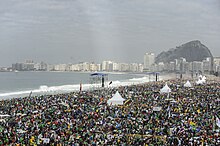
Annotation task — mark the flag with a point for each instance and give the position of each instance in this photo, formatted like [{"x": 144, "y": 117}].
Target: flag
[
  {"x": 168, "y": 110},
  {"x": 100, "y": 103},
  {"x": 192, "y": 123},
  {"x": 110, "y": 83},
  {"x": 30, "y": 94},
  {"x": 80, "y": 87},
  {"x": 127, "y": 102},
  {"x": 217, "y": 122},
  {"x": 101, "y": 100}
]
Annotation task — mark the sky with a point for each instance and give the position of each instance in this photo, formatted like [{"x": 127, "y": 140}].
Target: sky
[{"x": 71, "y": 31}]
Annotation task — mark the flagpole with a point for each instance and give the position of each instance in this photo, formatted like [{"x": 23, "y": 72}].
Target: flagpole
[{"x": 30, "y": 94}]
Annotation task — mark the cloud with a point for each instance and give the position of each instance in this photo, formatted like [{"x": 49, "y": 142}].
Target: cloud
[{"x": 104, "y": 27}]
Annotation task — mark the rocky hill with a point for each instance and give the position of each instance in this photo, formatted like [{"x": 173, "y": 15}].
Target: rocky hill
[{"x": 192, "y": 51}]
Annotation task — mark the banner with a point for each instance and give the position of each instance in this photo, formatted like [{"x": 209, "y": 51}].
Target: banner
[{"x": 157, "y": 108}]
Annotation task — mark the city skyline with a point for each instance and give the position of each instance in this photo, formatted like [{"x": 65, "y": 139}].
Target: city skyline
[
  {"x": 74, "y": 31},
  {"x": 207, "y": 65}
]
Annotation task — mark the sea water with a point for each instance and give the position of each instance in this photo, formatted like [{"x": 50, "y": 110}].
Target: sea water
[{"x": 20, "y": 84}]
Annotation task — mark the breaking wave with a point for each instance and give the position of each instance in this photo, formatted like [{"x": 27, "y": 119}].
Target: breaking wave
[{"x": 44, "y": 89}]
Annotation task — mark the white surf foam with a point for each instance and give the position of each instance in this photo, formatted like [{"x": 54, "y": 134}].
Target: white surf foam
[{"x": 44, "y": 89}]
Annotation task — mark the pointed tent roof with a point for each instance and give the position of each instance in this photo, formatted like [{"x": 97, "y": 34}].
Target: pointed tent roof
[
  {"x": 116, "y": 99},
  {"x": 187, "y": 84},
  {"x": 165, "y": 89},
  {"x": 199, "y": 82}
]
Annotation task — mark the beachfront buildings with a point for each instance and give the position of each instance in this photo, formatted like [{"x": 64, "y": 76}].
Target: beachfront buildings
[
  {"x": 121, "y": 67},
  {"x": 28, "y": 65},
  {"x": 42, "y": 66},
  {"x": 216, "y": 65},
  {"x": 182, "y": 66},
  {"x": 149, "y": 59},
  {"x": 109, "y": 66},
  {"x": 177, "y": 65}
]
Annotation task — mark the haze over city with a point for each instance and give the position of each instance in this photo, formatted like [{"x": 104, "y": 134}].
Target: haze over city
[{"x": 122, "y": 30}]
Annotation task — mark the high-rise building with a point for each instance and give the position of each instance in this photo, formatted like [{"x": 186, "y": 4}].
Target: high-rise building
[
  {"x": 216, "y": 65},
  {"x": 43, "y": 66},
  {"x": 134, "y": 67},
  {"x": 107, "y": 66},
  {"x": 86, "y": 66},
  {"x": 149, "y": 59},
  {"x": 104, "y": 65},
  {"x": 93, "y": 67},
  {"x": 140, "y": 67},
  {"x": 216, "y": 60},
  {"x": 115, "y": 66},
  {"x": 60, "y": 67},
  {"x": 50, "y": 67},
  {"x": 197, "y": 66},
  {"x": 207, "y": 65},
  {"x": 18, "y": 66}
]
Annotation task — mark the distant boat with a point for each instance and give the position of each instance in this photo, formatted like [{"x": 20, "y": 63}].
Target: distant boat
[{"x": 16, "y": 71}]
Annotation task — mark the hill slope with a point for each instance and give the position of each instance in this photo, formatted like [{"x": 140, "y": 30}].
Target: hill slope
[{"x": 192, "y": 51}]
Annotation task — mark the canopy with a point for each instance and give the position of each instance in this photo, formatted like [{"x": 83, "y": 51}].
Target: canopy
[
  {"x": 165, "y": 89},
  {"x": 200, "y": 76},
  {"x": 187, "y": 84},
  {"x": 98, "y": 74},
  {"x": 201, "y": 81},
  {"x": 116, "y": 99}
]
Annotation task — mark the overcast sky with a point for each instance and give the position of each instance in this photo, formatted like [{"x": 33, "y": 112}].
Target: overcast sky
[{"x": 69, "y": 31}]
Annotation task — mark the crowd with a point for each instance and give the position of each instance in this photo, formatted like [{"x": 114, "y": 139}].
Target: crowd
[{"x": 187, "y": 117}]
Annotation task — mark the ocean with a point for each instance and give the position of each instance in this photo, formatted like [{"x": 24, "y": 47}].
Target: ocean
[{"x": 20, "y": 84}]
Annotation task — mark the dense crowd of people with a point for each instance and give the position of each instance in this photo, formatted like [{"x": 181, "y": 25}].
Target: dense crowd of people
[{"x": 187, "y": 117}]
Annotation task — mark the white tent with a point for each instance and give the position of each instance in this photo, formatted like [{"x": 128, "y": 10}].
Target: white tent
[
  {"x": 187, "y": 84},
  {"x": 200, "y": 77},
  {"x": 165, "y": 89},
  {"x": 116, "y": 99},
  {"x": 201, "y": 81}
]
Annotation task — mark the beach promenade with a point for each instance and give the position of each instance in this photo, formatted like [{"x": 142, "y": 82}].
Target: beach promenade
[{"x": 188, "y": 116}]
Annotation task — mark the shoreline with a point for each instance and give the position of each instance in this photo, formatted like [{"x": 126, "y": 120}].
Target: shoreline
[{"x": 68, "y": 88}]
